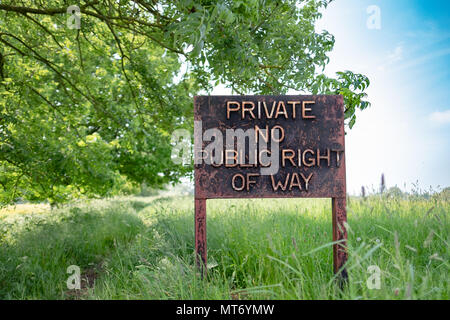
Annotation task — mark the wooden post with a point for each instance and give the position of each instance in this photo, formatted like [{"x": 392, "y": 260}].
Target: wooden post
[
  {"x": 200, "y": 235},
  {"x": 339, "y": 234}
]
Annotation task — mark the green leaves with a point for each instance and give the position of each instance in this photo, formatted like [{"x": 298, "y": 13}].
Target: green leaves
[
  {"x": 76, "y": 120},
  {"x": 83, "y": 109},
  {"x": 222, "y": 13},
  {"x": 351, "y": 86}
]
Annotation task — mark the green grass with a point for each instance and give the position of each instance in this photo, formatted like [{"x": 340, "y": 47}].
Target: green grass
[{"x": 142, "y": 248}]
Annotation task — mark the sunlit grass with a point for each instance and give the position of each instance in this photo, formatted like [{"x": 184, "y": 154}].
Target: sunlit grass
[
  {"x": 262, "y": 249},
  {"x": 21, "y": 209}
]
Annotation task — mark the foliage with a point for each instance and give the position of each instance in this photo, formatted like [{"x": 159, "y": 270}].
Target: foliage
[
  {"x": 394, "y": 192},
  {"x": 80, "y": 109},
  {"x": 142, "y": 248},
  {"x": 445, "y": 194},
  {"x": 36, "y": 249}
]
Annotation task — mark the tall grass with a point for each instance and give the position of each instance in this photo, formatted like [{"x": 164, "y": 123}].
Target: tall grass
[
  {"x": 257, "y": 249},
  {"x": 35, "y": 250}
]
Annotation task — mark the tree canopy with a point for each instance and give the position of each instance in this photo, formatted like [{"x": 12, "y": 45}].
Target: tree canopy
[{"x": 86, "y": 110}]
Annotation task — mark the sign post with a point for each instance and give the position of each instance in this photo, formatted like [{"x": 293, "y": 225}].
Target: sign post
[{"x": 270, "y": 147}]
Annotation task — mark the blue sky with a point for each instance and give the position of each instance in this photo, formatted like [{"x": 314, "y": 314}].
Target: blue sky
[{"x": 406, "y": 132}]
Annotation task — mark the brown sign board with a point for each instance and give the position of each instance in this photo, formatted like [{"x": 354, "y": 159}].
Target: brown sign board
[
  {"x": 270, "y": 147},
  {"x": 311, "y": 146}
]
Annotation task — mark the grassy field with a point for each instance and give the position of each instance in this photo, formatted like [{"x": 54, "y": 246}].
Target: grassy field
[{"x": 142, "y": 248}]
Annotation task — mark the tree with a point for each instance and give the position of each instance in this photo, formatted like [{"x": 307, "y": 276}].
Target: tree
[{"x": 83, "y": 110}]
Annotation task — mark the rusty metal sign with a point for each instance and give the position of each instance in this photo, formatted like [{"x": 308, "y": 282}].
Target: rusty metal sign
[{"x": 270, "y": 147}]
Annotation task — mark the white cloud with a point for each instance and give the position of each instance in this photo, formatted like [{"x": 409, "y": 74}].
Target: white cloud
[
  {"x": 393, "y": 129},
  {"x": 395, "y": 55},
  {"x": 392, "y": 57},
  {"x": 440, "y": 117},
  {"x": 425, "y": 58}
]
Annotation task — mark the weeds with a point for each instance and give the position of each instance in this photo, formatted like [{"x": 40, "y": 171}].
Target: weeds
[{"x": 257, "y": 249}]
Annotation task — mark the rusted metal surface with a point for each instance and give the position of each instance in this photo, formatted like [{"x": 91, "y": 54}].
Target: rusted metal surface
[
  {"x": 326, "y": 131},
  {"x": 339, "y": 218},
  {"x": 323, "y": 132},
  {"x": 200, "y": 235}
]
